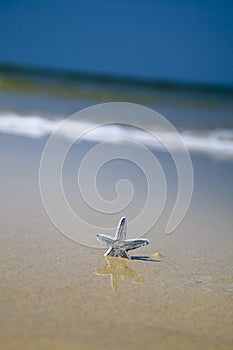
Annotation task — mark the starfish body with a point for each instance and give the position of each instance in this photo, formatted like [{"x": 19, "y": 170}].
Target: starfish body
[{"x": 119, "y": 245}]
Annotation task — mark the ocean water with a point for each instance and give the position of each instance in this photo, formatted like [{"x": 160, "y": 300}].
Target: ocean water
[{"x": 34, "y": 105}]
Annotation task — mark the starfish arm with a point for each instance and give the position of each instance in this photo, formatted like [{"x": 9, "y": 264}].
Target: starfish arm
[
  {"x": 107, "y": 240},
  {"x": 134, "y": 243},
  {"x": 121, "y": 230}
]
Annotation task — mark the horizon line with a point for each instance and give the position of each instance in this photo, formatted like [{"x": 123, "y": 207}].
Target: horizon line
[{"x": 113, "y": 78}]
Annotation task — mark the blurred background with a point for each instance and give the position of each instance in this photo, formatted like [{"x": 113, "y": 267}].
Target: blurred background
[
  {"x": 170, "y": 41},
  {"x": 57, "y": 57}
]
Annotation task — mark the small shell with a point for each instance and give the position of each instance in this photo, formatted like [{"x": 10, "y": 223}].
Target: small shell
[{"x": 157, "y": 256}]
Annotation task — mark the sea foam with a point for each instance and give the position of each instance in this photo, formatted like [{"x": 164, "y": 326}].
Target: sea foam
[{"x": 217, "y": 142}]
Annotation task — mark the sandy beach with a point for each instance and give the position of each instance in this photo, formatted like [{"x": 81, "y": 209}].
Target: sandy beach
[
  {"x": 116, "y": 175},
  {"x": 57, "y": 294}
]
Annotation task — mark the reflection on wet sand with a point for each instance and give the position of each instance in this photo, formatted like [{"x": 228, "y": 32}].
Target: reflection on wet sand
[{"x": 118, "y": 269}]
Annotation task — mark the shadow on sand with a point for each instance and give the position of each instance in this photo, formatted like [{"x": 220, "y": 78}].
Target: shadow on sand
[{"x": 144, "y": 258}]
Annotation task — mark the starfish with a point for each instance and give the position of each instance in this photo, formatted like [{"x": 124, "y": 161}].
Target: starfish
[{"x": 119, "y": 245}]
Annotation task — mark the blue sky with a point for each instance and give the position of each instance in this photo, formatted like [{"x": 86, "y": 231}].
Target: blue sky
[{"x": 160, "y": 40}]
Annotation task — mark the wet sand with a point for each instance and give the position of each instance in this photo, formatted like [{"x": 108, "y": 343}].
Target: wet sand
[{"x": 57, "y": 294}]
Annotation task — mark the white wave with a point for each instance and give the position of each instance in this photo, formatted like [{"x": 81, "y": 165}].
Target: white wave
[{"x": 218, "y": 142}]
